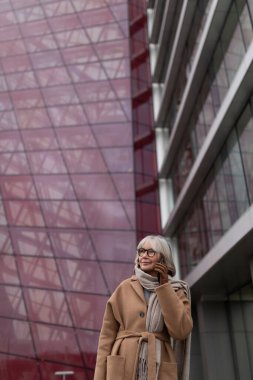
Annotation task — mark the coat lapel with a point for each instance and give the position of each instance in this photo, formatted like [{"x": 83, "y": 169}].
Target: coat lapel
[{"x": 137, "y": 288}]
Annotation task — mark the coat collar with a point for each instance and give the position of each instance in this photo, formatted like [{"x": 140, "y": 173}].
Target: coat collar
[{"x": 135, "y": 283}]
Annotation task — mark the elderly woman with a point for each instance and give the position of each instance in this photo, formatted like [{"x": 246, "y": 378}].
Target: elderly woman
[{"x": 147, "y": 322}]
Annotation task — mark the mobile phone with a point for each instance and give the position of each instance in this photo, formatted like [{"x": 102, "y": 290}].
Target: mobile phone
[{"x": 158, "y": 274}]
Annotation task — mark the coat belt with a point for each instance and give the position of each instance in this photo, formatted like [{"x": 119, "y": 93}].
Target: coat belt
[{"x": 150, "y": 338}]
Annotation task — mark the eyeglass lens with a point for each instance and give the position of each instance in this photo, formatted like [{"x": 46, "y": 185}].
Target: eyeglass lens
[{"x": 150, "y": 252}]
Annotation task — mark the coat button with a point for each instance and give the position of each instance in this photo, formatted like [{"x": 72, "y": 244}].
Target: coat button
[{"x": 141, "y": 314}]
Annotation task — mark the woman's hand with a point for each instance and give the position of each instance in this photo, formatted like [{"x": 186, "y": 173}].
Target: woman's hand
[{"x": 162, "y": 272}]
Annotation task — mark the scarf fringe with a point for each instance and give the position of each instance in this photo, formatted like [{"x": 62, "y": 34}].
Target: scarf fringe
[{"x": 142, "y": 370}]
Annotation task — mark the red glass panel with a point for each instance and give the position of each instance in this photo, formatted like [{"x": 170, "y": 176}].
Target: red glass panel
[
  {"x": 3, "y": 220},
  {"x": 29, "y": 14},
  {"x": 39, "y": 139},
  {"x": 87, "y": 72},
  {"x": 34, "y": 118},
  {"x": 79, "y": 275},
  {"x": 6, "y": 6},
  {"x": 66, "y": 22},
  {"x": 27, "y": 99},
  {"x": 68, "y": 115},
  {"x": 94, "y": 186},
  {"x": 8, "y": 274},
  {"x": 97, "y": 91},
  {"x": 108, "y": 135},
  {"x": 54, "y": 187},
  {"x": 76, "y": 137},
  {"x": 120, "y": 11},
  {"x": 5, "y": 102},
  {"x": 46, "y": 162},
  {"x": 84, "y": 161},
  {"x": 105, "y": 112},
  {"x": 31, "y": 242},
  {"x": 111, "y": 214},
  {"x": 11, "y": 302},
  {"x": 47, "y": 306},
  {"x": 56, "y": 343},
  {"x": 39, "y": 272},
  {"x": 88, "y": 343},
  {"x": 148, "y": 217},
  {"x": 43, "y": 42},
  {"x": 107, "y": 32},
  {"x": 13, "y": 366},
  {"x": 75, "y": 244},
  {"x": 121, "y": 87},
  {"x": 62, "y": 214},
  {"x": 114, "y": 246},
  {"x": 37, "y": 28},
  {"x": 117, "y": 68},
  {"x": 3, "y": 84},
  {"x": 58, "y": 9},
  {"x": 10, "y": 48},
  {"x": 15, "y": 337},
  {"x": 53, "y": 76},
  {"x": 79, "y": 54},
  {"x": 24, "y": 213},
  {"x": 119, "y": 159},
  {"x": 17, "y": 187},
  {"x": 70, "y": 38},
  {"x": 87, "y": 310},
  {"x": 5, "y": 242},
  {"x": 11, "y": 64},
  {"x": 96, "y": 17},
  {"x": 112, "y": 49},
  {"x": 43, "y": 60},
  {"x": 8, "y": 120},
  {"x": 129, "y": 206},
  {"x": 24, "y": 80},
  {"x": 60, "y": 95},
  {"x": 119, "y": 271}
]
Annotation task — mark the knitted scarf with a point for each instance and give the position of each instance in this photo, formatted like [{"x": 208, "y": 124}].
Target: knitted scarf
[{"x": 155, "y": 323}]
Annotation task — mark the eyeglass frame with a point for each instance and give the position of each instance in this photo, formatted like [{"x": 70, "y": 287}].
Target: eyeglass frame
[{"x": 149, "y": 250}]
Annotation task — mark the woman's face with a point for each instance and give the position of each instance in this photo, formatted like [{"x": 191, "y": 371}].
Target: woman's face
[{"x": 146, "y": 262}]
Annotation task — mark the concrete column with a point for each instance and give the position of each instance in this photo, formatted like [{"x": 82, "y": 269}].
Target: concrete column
[
  {"x": 196, "y": 370},
  {"x": 215, "y": 341}
]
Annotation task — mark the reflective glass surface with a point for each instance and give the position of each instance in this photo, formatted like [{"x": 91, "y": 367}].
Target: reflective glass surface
[
  {"x": 224, "y": 196},
  {"x": 236, "y": 36},
  {"x": 67, "y": 167}
]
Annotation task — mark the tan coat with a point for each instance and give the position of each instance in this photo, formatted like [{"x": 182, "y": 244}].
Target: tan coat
[{"x": 124, "y": 327}]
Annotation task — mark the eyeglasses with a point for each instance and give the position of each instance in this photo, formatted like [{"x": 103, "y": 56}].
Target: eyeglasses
[{"x": 150, "y": 252}]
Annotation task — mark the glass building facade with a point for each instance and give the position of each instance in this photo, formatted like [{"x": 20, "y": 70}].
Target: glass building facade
[
  {"x": 201, "y": 66},
  {"x": 120, "y": 118},
  {"x": 78, "y": 175}
]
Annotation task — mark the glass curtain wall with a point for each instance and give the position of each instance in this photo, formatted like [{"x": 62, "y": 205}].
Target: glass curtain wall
[
  {"x": 67, "y": 186},
  {"x": 225, "y": 195},
  {"x": 146, "y": 184},
  {"x": 232, "y": 46}
]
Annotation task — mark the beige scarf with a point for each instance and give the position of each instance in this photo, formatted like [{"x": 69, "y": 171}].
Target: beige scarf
[{"x": 155, "y": 323}]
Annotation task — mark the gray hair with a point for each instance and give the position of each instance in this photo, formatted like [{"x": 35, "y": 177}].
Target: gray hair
[{"x": 162, "y": 245}]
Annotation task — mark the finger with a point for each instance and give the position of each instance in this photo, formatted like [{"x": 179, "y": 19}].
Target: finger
[
  {"x": 162, "y": 267},
  {"x": 161, "y": 272}
]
